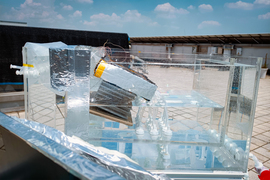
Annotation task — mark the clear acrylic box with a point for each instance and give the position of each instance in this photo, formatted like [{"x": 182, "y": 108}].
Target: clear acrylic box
[{"x": 195, "y": 116}]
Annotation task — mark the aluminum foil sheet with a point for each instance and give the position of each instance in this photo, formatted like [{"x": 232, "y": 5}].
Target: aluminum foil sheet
[
  {"x": 33, "y": 134},
  {"x": 69, "y": 64},
  {"x": 111, "y": 95},
  {"x": 126, "y": 79},
  {"x": 80, "y": 158}
]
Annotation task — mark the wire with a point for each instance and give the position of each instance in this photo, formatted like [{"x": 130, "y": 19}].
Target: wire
[
  {"x": 110, "y": 52},
  {"x": 60, "y": 111},
  {"x": 105, "y": 43},
  {"x": 2, "y": 146}
]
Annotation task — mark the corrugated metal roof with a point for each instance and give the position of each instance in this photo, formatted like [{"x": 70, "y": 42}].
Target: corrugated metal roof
[{"x": 211, "y": 39}]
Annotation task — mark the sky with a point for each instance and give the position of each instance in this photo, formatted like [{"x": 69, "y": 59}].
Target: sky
[{"x": 143, "y": 18}]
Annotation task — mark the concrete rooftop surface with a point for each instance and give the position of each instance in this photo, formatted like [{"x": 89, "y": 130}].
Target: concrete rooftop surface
[{"x": 260, "y": 143}]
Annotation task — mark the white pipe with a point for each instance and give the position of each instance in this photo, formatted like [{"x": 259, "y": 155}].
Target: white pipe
[
  {"x": 169, "y": 53},
  {"x": 19, "y": 72},
  {"x": 15, "y": 67},
  {"x": 258, "y": 165},
  {"x": 138, "y": 59}
]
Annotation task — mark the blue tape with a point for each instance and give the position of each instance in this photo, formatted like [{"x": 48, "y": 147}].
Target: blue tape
[{"x": 11, "y": 83}]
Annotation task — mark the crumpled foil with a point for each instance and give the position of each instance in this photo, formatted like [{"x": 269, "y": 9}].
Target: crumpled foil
[{"x": 80, "y": 158}]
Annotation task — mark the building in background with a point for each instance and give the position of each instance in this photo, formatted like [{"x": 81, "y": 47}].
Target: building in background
[
  {"x": 237, "y": 45},
  {"x": 12, "y": 23}
]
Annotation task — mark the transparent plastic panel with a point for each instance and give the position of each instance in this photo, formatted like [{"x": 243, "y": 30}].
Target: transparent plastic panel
[
  {"x": 190, "y": 107},
  {"x": 212, "y": 78},
  {"x": 243, "y": 97},
  {"x": 41, "y": 105},
  {"x": 40, "y": 98},
  {"x": 164, "y": 111}
]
